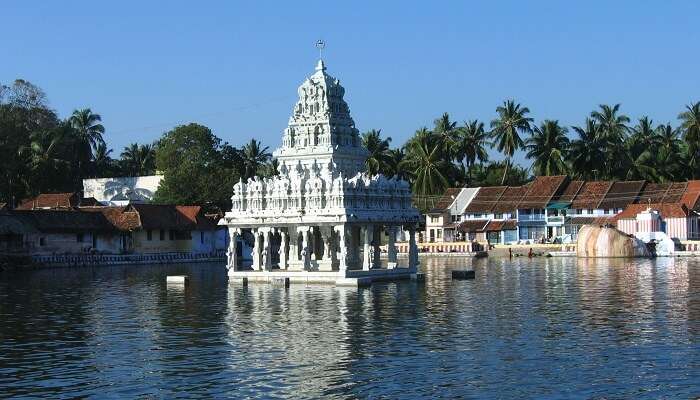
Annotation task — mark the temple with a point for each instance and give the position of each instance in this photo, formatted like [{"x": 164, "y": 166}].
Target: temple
[{"x": 322, "y": 218}]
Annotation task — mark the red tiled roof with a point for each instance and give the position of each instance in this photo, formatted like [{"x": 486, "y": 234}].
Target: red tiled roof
[
  {"x": 503, "y": 225},
  {"x": 445, "y": 201},
  {"x": 158, "y": 216},
  {"x": 485, "y": 199},
  {"x": 653, "y": 193},
  {"x": 692, "y": 195},
  {"x": 667, "y": 210},
  {"x": 510, "y": 199},
  {"x": 621, "y": 194},
  {"x": 473, "y": 225},
  {"x": 50, "y": 200},
  {"x": 570, "y": 191},
  {"x": 541, "y": 191},
  {"x": 591, "y": 194}
]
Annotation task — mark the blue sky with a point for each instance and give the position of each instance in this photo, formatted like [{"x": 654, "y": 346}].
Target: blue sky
[{"x": 235, "y": 66}]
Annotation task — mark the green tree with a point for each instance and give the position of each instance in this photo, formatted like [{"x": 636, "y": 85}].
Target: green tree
[
  {"x": 429, "y": 168},
  {"x": 671, "y": 156},
  {"x": 88, "y": 134},
  {"x": 447, "y": 134},
  {"x": 396, "y": 164},
  {"x": 102, "y": 163},
  {"x": 138, "y": 160},
  {"x": 586, "y": 155},
  {"x": 195, "y": 171},
  {"x": 512, "y": 120},
  {"x": 690, "y": 127},
  {"x": 254, "y": 156},
  {"x": 377, "y": 161},
  {"x": 612, "y": 131},
  {"x": 491, "y": 174},
  {"x": 473, "y": 140},
  {"x": 548, "y": 147}
]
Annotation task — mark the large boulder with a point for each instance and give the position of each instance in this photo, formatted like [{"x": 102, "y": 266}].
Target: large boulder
[{"x": 594, "y": 241}]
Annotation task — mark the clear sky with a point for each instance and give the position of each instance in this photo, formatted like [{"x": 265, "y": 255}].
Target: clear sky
[{"x": 234, "y": 66}]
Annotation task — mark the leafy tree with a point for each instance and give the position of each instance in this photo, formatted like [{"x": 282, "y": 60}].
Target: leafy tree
[
  {"x": 548, "y": 147},
  {"x": 491, "y": 174},
  {"x": 447, "y": 134},
  {"x": 254, "y": 156},
  {"x": 377, "y": 161},
  {"x": 612, "y": 131},
  {"x": 195, "y": 172},
  {"x": 429, "y": 168},
  {"x": 512, "y": 120},
  {"x": 396, "y": 164}
]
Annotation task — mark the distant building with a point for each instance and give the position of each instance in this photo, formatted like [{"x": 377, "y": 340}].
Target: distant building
[
  {"x": 132, "y": 229},
  {"x": 122, "y": 191},
  {"x": 552, "y": 207},
  {"x": 53, "y": 201}
]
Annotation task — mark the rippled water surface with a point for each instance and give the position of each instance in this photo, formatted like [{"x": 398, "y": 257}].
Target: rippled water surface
[{"x": 541, "y": 328}]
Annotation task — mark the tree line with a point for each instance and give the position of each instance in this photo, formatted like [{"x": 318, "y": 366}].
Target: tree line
[
  {"x": 43, "y": 153},
  {"x": 607, "y": 146}
]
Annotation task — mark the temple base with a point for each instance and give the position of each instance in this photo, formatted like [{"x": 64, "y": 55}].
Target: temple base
[{"x": 348, "y": 278}]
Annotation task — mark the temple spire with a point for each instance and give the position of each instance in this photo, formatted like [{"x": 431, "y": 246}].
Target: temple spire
[{"x": 320, "y": 66}]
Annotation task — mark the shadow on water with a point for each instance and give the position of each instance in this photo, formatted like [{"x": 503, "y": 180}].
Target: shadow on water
[{"x": 542, "y": 327}]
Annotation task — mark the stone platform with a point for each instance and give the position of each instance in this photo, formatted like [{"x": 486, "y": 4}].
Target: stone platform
[{"x": 346, "y": 278}]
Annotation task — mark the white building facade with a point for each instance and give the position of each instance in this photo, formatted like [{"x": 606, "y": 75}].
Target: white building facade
[{"x": 322, "y": 218}]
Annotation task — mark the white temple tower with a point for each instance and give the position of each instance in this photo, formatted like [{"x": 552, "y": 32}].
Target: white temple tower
[{"x": 322, "y": 218}]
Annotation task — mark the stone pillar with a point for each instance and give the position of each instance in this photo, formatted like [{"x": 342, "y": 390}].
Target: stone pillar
[
  {"x": 283, "y": 249},
  {"x": 305, "y": 256},
  {"x": 232, "y": 264},
  {"x": 257, "y": 265},
  {"x": 267, "y": 250},
  {"x": 326, "y": 233},
  {"x": 376, "y": 242},
  {"x": 367, "y": 239},
  {"x": 342, "y": 247},
  {"x": 412, "y": 249},
  {"x": 391, "y": 247}
]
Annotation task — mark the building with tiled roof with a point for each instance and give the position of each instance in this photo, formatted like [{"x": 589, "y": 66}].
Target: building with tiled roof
[
  {"x": 441, "y": 220},
  {"x": 674, "y": 219},
  {"x": 56, "y": 201}
]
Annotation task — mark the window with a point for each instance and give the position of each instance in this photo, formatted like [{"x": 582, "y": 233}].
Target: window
[
  {"x": 171, "y": 234},
  {"x": 439, "y": 233},
  {"x": 162, "y": 234},
  {"x": 42, "y": 241},
  {"x": 79, "y": 238},
  {"x": 201, "y": 237},
  {"x": 498, "y": 216},
  {"x": 149, "y": 235}
]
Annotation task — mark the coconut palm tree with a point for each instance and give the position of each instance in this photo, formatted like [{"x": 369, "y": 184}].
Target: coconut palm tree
[
  {"x": 377, "y": 161},
  {"x": 586, "y": 155},
  {"x": 612, "y": 129},
  {"x": 396, "y": 162},
  {"x": 88, "y": 132},
  {"x": 255, "y": 156},
  {"x": 548, "y": 147},
  {"x": 138, "y": 160},
  {"x": 512, "y": 121},
  {"x": 428, "y": 166},
  {"x": 690, "y": 126},
  {"x": 473, "y": 140},
  {"x": 670, "y": 157},
  {"x": 101, "y": 160},
  {"x": 46, "y": 155},
  {"x": 446, "y": 131}
]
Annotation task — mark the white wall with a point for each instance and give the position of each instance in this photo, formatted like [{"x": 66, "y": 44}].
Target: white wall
[{"x": 122, "y": 191}]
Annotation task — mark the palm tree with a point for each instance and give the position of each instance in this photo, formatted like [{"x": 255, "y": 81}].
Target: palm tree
[
  {"x": 377, "y": 161},
  {"x": 642, "y": 150},
  {"x": 138, "y": 160},
  {"x": 396, "y": 162},
  {"x": 506, "y": 128},
  {"x": 44, "y": 155},
  {"x": 446, "y": 131},
  {"x": 585, "y": 155},
  {"x": 690, "y": 126},
  {"x": 473, "y": 140},
  {"x": 255, "y": 156},
  {"x": 429, "y": 168},
  {"x": 548, "y": 146},
  {"x": 612, "y": 129},
  {"x": 101, "y": 160},
  {"x": 88, "y": 132}
]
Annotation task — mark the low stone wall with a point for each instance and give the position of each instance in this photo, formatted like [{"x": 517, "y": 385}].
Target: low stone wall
[{"x": 85, "y": 260}]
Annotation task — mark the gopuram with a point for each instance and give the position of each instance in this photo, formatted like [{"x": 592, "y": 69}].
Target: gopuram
[{"x": 322, "y": 219}]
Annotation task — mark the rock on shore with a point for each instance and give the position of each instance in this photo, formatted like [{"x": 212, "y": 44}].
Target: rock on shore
[{"x": 594, "y": 241}]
